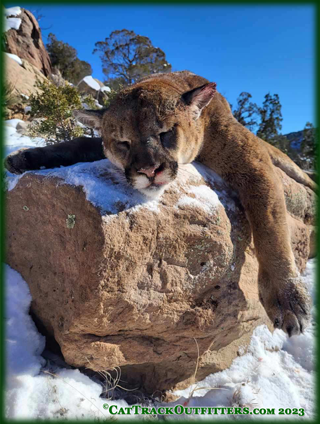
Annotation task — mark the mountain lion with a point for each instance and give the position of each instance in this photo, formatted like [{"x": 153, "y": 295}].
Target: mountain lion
[{"x": 169, "y": 119}]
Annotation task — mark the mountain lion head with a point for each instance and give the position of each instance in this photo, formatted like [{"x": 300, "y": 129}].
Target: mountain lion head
[{"x": 149, "y": 129}]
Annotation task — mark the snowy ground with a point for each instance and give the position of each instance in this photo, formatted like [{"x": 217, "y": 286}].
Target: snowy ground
[{"x": 274, "y": 372}]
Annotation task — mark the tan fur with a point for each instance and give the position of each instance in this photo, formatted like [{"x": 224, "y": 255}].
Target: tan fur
[
  {"x": 246, "y": 162},
  {"x": 136, "y": 136}
]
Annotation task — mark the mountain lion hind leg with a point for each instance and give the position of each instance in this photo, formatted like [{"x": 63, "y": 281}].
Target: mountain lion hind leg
[
  {"x": 282, "y": 161},
  {"x": 82, "y": 149}
]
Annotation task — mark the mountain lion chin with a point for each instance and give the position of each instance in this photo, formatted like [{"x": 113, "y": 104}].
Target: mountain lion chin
[{"x": 154, "y": 190}]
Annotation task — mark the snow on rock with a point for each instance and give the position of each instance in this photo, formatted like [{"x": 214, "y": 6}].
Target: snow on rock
[
  {"x": 12, "y": 11},
  {"x": 95, "y": 182},
  {"x": 14, "y": 57},
  {"x": 12, "y": 23},
  {"x": 94, "y": 179},
  {"x": 91, "y": 82},
  {"x": 204, "y": 198},
  {"x": 98, "y": 105},
  {"x": 92, "y": 176},
  {"x": 105, "y": 88}
]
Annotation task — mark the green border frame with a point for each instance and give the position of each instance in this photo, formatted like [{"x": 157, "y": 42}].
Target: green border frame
[{"x": 2, "y": 197}]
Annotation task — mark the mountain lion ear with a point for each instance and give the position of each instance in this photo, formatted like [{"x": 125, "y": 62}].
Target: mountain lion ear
[
  {"x": 90, "y": 118},
  {"x": 199, "y": 97}
]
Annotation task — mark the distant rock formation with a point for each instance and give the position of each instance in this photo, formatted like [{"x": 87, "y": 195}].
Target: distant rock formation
[{"x": 26, "y": 42}]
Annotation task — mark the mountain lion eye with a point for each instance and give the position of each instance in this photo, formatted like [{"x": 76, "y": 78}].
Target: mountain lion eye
[
  {"x": 123, "y": 145},
  {"x": 167, "y": 138}
]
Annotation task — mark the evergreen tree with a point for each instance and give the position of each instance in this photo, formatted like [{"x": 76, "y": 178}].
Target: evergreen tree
[
  {"x": 77, "y": 70},
  {"x": 308, "y": 153},
  {"x": 246, "y": 111},
  {"x": 55, "y": 105},
  {"x": 64, "y": 57},
  {"x": 127, "y": 56},
  {"x": 271, "y": 118}
]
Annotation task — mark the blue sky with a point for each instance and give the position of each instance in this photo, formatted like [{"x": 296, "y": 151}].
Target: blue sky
[{"x": 258, "y": 49}]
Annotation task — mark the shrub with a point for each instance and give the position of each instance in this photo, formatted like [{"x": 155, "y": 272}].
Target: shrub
[
  {"x": 54, "y": 105},
  {"x": 8, "y": 98},
  {"x": 112, "y": 95},
  {"x": 89, "y": 101}
]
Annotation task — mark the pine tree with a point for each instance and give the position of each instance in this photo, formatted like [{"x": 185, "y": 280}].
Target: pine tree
[
  {"x": 64, "y": 57},
  {"x": 246, "y": 111},
  {"x": 271, "y": 118},
  {"x": 127, "y": 56},
  {"x": 308, "y": 153}
]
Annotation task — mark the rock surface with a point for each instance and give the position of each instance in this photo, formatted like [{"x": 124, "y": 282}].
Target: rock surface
[
  {"x": 94, "y": 87},
  {"x": 22, "y": 78},
  {"x": 26, "y": 43},
  {"x": 121, "y": 282}
]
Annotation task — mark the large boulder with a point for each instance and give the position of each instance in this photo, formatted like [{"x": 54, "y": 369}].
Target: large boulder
[
  {"x": 148, "y": 286},
  {"x": 26, "y": 42}
]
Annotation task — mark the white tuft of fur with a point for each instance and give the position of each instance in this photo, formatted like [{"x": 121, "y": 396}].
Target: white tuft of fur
[
  {"x": 141, "y": 182},
  {"x": 153, "y": 192}
]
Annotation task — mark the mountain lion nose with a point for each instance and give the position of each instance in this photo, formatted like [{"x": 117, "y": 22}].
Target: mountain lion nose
[{"x": 149, "y": 172}]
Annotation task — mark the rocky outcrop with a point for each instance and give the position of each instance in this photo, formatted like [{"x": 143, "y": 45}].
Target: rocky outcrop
[
  {"x": 23, "y": 77},
  {"x": 26, "y": 42},
  {"x": 121, "y": 282},
  {"x": 94, "y": 87}
]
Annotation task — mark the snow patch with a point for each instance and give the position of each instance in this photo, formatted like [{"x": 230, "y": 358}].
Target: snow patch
[
  {"x": 91, "y": 82},
  {"x": 14, "y": 57},
  {"x": 15, "y": 141},
  {"x": 105, "y": 88},
  {"x": 32, "y": 392},
  {"x": 12, "y": 123},
  {"x": 104, "y": 185},
  {"x": 12, "y": 11},
  {"x": 24, "y": 343},
  {"x": 98, "y": 105},
  {"x": 12, "y": 23}
]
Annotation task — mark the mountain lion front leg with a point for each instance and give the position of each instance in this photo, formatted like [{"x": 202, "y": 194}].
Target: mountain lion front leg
[
  {"x": 236, "y": 155},
  {"x": 280, "y": 290},
  {"x": 82, "y": 149}
]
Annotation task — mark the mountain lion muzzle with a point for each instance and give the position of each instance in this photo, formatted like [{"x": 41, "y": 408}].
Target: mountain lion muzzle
[{"x": 169, "y": 119}]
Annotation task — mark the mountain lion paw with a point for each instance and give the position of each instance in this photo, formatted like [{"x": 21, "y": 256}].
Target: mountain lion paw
[
  {"x": 17, "y": 162},
  {"x": 288, "y": 305}
]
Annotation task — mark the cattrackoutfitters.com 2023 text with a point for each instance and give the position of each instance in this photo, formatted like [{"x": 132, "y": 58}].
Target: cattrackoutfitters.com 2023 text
[{"x": 197, "y": 410}]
